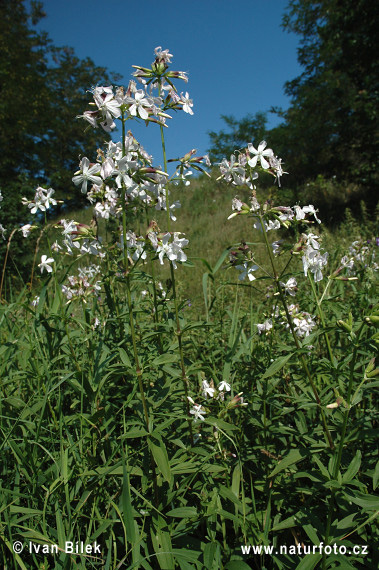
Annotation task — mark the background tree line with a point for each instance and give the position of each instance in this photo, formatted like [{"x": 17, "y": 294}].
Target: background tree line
[
  {"x": 328, "y": 137},
  {"x": 42, "y": 87}
]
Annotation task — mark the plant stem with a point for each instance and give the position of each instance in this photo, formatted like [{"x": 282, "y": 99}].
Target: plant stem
[
  {"x": 322, "y": 318},
  {"x": 128, "y": 292},
  {"x": 342, "y": 437},
  {"x": 294, "y": 335},
  {"x": 178, "y": 328}
]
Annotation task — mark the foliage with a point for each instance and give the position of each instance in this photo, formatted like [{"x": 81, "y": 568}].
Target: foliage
[
  {"x": 136, "y": 433},
  {"x": 330, "y": 128},
  {"x": 41, "y": 92}
]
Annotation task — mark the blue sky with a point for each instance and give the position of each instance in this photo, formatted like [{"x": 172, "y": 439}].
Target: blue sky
[{"x": 236, "y": 54}]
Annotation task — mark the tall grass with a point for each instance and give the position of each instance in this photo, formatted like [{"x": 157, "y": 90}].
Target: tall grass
[{"x": 154, "y": 417}]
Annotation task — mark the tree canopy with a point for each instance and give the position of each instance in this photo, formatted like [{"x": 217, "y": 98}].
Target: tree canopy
[
  {"x": 42, "y": 89},
  {"x": 330, "y": 128}
]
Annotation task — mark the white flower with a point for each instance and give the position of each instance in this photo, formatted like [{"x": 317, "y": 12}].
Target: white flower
[
  {"x": 300, "y": 214},
  {"x": 303, "y": 324},
  {"x": 138, "y": 105},
  {"x": 246, "y": 270},
  {"x": 45, "y": 261},
  {"x": 265, "y": 327},
  {"x": 49, "y": 201},
  {"x": 164, "y": 55},
  {"x": 86, "y": 174},
  {"x": 260, "y": 155},
  {"x": 290, "y": 286},
  {"x": 197, "y": 412},
  {"x": 207, "y": 389},
  {"x": 26, "y": 230},
  {"x": 107, "y": 104},
  {"x": 35, "y": 301},
  {"x": 272, "y": 225},
  {"x": 314, "y": 261},
  {"x": 187, "y": 103},
  {"x": 311, "y": 210},
  {"x": 224, "y": 386}
]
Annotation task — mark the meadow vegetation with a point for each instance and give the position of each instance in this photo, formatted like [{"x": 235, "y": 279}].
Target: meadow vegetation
[{"x": 177, "y": 392}]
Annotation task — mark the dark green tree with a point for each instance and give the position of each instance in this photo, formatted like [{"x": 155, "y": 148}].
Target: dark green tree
[
  {"x": 251, "y": 128},
  {"x": 42, "y": 90},
  {"x": 328, "y": 137},
  {"x": 332, "y": 121}
]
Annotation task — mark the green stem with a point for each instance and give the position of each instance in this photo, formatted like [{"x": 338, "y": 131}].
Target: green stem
[
  {"x": 322, "y": 318},
  {"x": 128, "y": 292},
  {"x": 178, "y": 328},
  {"x": 342, "y": 437},
  {"x": 294, "y": 335}
]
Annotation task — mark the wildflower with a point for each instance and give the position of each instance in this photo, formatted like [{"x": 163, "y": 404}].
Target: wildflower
[
  {"x": 35, "y": 301},
  {"x": 260, "y": 155},
  {"x": 187, "y": 103},
  {"x": 246, "y": 270},
  {"x": 232, "y": 171},
  {"x": 26, "y": 229},
  {"x": 311, "y": 210},
  {"x": 163, "y": 56},
  {"x": 224, "y": 386},
  {"x": 304, "y": 324},
  {"x": 197, "y": 411},
  {"x": 290, "y": 287},
  {"x": 264, "y": 327},
  {"x": 208, "y": 390},
  {"x": 87, "y": 173},
  {"x": 107, "y": 104},
  {"x": 139, "y": 104},
  {"x": 314, "y": 261},
  {"x": 45, "y": 261}
]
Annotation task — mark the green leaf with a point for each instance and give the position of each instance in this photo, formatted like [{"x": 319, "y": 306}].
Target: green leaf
[
  {"x": 309, "y": 562},
  {"x": 365, "y": 501},
  {"x": 294, "y": 456},
  {"x": 237, "y": 565},
  {"x": 159, "y": 453},
  {"x": 125, "y": 358},
  {"x": 127, "y": 507},
  {"x": 182, "y": 513},
  {"x": 165, "y": 359},
  {"x": 375, "y": 478},
  {"x": 286, "y": 523},
  {"x": 276, "y": 366},
  {"x": 353, "y": 468}
]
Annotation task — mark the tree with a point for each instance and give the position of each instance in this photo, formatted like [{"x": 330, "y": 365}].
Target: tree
[
  {"x": 328, "y": 137},
  {"x": 332, "y": 120},
  {"x": 42, "y": 90},
  {"x": 249, "y": 129}
]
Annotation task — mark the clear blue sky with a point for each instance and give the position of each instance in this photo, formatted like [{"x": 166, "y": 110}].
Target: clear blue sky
[{"x": 236, "y": 54}]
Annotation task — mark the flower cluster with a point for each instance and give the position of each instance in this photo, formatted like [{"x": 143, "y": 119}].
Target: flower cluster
[
  {"x": 209, "y": 391},
  {"x": 169, "y": 245},
  {"x": 146, "y": 104},
  {"x": 303, "y": 322},
  {"x": 43, "y": 199},
  {"x": 240, "y": 169},
  {"x": 361, "y": 254},
  {"x": 85, "y": 284},
  {"x": 313, "y": 259}
]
